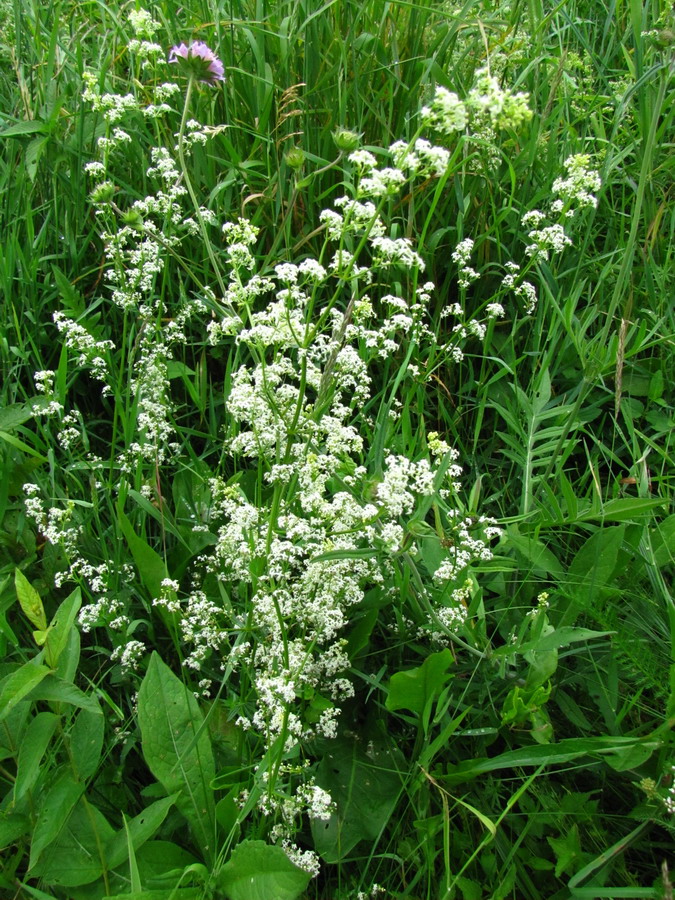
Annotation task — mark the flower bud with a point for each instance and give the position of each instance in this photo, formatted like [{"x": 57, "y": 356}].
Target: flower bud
[
  {"x": 345, "y": 140},
  {"x": 295, "y": 158}
]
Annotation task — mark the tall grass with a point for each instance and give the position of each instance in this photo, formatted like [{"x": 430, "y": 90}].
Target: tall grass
[{"x": 503, "y": 730}]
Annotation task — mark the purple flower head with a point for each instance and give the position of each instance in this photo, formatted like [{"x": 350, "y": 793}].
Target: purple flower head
[{"x": 199, "y": 61}]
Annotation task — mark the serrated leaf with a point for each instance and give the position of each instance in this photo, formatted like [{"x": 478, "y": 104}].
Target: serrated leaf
[
  {"x": 567, "y": 850},
  {"x": 260, "y": 871},
  {"x": 30, "y": 601},
  {"x": 177, "y": 747}
]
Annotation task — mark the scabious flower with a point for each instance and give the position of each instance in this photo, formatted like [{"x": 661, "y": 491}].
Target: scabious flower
[{"x": 198, "y": 61}]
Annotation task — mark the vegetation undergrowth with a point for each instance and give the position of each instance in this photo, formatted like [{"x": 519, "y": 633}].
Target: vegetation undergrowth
[{"x": 336, "y": 528}]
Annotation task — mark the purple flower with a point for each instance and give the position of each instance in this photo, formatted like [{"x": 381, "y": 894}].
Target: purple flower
[{"x": 199, "y": 61}]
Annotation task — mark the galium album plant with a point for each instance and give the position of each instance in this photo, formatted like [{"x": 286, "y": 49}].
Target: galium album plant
[
  {"x": 275, "y": 556},
  {"x": 313, "y": 503}
]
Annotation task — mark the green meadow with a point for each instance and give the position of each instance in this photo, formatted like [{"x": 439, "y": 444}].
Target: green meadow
[{"x": 337, "y": 450}]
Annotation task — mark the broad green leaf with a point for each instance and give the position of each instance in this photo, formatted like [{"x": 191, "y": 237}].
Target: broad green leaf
[
  {"x": 260, "y": 871},
  {"x": 414, "y": 688},
  {"x": 55, "y": 690},
  {"x": 35, "y": 742},
  {"x": 12, "y": 827},
  {"x": 227, "y": 810},
  {"x": 16, "y": 414},
  {"x": 14, "y": 687},
  {"x": 365, "y": 790},
  {"x": 594, "y": 564},
  {"x": 30, "y": 601},
  {"x": 86, "y": 742},
  {"x": 630, "y": 758},
  {"x": 52, "y": 810},
  {"x": 543, "y": 562},
  {"x": 137, "y": 830},
  {"x": 663, "y": 542},
  {"x": 177, "y": 748},
  {"x": 75, "y": 857},
  {"x": 163, "y": 861},
  {"x": 60, "y": 626}
]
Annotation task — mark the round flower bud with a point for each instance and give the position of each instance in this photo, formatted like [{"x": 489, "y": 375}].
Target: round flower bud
[
  {"x": 345, "y": 140},
  {"x": 295, "y": 158}
]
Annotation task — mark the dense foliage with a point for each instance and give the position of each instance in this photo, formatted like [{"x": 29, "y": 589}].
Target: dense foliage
[{"x": 336, "y": 455}]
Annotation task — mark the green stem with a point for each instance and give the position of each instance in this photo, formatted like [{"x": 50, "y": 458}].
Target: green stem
[{"x": 190, "y": 189}]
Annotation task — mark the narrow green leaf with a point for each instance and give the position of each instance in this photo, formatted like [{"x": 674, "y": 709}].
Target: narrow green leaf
[
  {"x": 35, "y": 742},
  {"x": 151, "y": 567},
  {"x": 55, "y": 690},
  {"x": 34, "y": 126},
  {"x": 137, "y": 831},
  {"x": 59, "y": 628},
  {"x": 52, "y": 811},
  {"x": 545, "y": 754},
  {"x": 30, "y": 601},
  {"x": 14, "y": 687},
  {"x": 563, "y": 637}
]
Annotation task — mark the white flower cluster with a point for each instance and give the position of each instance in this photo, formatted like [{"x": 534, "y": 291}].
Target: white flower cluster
[
  {"x": 524, "y": 290},
  {"x": 44, "y": 384},
  {"x": 90, "y": 353},
  {"x": 487, "y": 104},
  {"x": 461, "y": 256},
  {"x": 142, "y": 23},
  {"x": 502, "y": 107},
  {"x": 446, "y": 114},
  {"x": 113, "y": 106},
  {"x": 576, "y": 190},
  {"x": 424, "y": 159}
]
